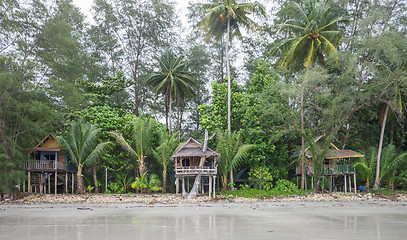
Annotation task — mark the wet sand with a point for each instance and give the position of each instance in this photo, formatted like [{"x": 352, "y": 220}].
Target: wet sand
[{"x": 262, "y": 220}]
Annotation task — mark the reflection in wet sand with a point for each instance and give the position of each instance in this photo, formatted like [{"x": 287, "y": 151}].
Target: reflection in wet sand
[{"x": 246, "y": 221}]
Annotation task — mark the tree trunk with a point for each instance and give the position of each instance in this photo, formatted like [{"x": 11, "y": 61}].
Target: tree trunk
[
  {"x": 142, "y": 167},
  {"x": 81, "y": 188},
  {"x": 224, "y": 182},
  {"x": 169, "y": 114},
  {"x": 231, "y": 178},
  {"x": 178, "y": 115},
  {"x": 164, "y": 179},
  {"x": 228, "y": 71},
  {"x": 302, "y": 140},
  {"x": 95, "y": 178},
  {"x": 377, "y": 179}
]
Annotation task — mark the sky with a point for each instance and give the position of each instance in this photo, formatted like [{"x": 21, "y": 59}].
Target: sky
[{"x": 181, "y": 7}]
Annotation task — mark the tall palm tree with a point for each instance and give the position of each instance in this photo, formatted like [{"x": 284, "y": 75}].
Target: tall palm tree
[
  {"x": 168, "y": 144},
  {"x": 172, "y": 80},
  {"x": 225, "y": 18},
  {"x": 232, "y": 153},
  {"x": 140, "y": 142},
  {"x": 314, "y": 34},
  {"x": 82, "y": 144}
]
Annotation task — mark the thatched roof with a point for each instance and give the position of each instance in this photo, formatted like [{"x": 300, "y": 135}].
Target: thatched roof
[
  {"x": 332, "y": 153},
  {"x": 193, "y": 148}
]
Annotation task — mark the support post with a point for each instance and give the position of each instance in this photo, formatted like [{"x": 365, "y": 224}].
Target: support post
[
  {"x": 73, "y": 183},
  {"x": 184, "y": 194},
  {"x": 345, "y": 183},
  {"x": 105, "y": 179},
  {"x": 49, "y": 183},
  {"x": 29, "y": 182},
  {"x": 176, "y": 185},
  {"x": 210, "y": 187},
  {"x": 350, "y": 184},
  {"x": 23, "y": 185},
  {"x": 354, "y": 181},
  {"x": 66, "y": 182},
  {"x": 41, "y": 185},
  {"x": 214, "y": 186},
  {"x": 56, "y": 182}
]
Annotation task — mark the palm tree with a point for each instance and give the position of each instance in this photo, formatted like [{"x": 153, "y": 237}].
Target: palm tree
[
  {"x": 367, "y": 165},
  {"x": 313, "y": 35},
  {"x": 225, "y": 18},
  {"x": 172, "y": 80},
  {"x": 232, "y": 153},
  {"x": 390, "y": 164},
  {"x": 140, "y": 142},
  {"x": 82, "y": 144},
  {"x": 168, "y": 144}
]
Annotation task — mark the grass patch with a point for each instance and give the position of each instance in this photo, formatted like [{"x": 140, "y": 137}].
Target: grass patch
[{"x": 387, "y": 192}]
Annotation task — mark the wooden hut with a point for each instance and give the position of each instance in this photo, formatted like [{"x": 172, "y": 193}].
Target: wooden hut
[
  {"x": 192, "y": 160},
  {"x": 338, "y": 165},
  {"x": 48, "y": 168}
]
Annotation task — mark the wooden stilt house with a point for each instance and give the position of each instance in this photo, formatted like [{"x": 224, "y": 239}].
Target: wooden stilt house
[
  {"x": 337, "y": 168},
  {"x": 48, "y": 168},
  {"x": 192, "y": 160}
]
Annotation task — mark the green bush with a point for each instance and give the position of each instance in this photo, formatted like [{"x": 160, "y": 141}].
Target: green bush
[
  {"x": 261, "y": 178},
  {"x": 286, "y": 187}
]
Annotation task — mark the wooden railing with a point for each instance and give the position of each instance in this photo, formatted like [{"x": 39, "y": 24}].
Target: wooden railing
[
  {"x": 338, "y": 169},
  {"x": 196, "y": 170},
  {"x": 44, "y": 165}
]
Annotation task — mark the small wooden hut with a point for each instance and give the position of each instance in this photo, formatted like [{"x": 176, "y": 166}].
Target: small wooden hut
[
  {"x": 48, "y": 168},
  {"x": 192, "y": 160},
  {"x": 338, "y": 164}
]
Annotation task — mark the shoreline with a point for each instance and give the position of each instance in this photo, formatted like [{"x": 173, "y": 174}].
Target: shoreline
[{"x": 171, "y": 199}]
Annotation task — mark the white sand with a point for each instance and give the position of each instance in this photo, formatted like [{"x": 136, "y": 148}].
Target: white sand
[{"x": 259, "y": 220}]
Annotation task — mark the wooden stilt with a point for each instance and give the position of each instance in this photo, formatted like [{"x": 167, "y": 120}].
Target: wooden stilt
[
  {"x": 24, "y": 186},
  {"x": 184, "y": 194},
  {"x": 176, "y": 185},
  {"x": 188, "y": 184},
  {"x": 56, "y": 182},
  {"x": 202, "y": 185},
  {"x": 210, "y": 186},
  {"x": 330, "y": 184},
  {"x": 66, "y": 182},
  {"x": 49, "y": 183},
  {"x": 345, "y": 185},
  {"x": 29, "y": 182},
  {"x": 350, "y": 183},
  {"x": 354, "y": 181},
  {"x": 105, "y": 179},
  {"x": 41, "y": 185},
  {"x": 73, "y": 183},
  {"x": 297, "y": 180},
  {"x": 305, "y": 181},
  {"x": 214, "y": 186}
]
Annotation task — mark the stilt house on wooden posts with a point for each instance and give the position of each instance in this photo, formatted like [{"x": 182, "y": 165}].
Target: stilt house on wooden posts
[
  {"x": 48, "y": 168},
  {"x": 337, "y": 167},
  {"x": 192, "y": 160}
]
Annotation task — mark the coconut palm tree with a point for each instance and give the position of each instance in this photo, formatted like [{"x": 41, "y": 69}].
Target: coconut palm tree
[
  {"x": 172, "y": 80},
  {"x": 313, "y": 35},
  {"x": 232, "y": 153},
  {"x": 82, "y": 144},
  {"x": 225, "y": 18},
  {"x": 140, "y": 142},
  {"x": 168, "y": 144}
]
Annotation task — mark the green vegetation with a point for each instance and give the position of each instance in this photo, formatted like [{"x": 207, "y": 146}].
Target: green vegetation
[{"x": 133, "y": 80}]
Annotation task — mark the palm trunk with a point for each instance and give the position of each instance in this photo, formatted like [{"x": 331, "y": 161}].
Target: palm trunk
[
  {"x": 81, "y": 188},
  {"x": 377, "y": 179},
  {"x": 224, "y": 182},
  {"x": 95, "y": 178},
  {"x": 164, "y": 179},
  {"x": 142, "y": 167},
  {"x": 228, "y": 71},
  {"x": 169, "y": 114},
  {"x": 302, "y": 140}
]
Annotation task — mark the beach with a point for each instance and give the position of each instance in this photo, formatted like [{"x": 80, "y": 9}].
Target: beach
[{"x": 224, "y": 218}]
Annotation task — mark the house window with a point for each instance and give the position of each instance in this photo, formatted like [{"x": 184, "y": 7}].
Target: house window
[
  {"x": 49, "y": 157},
  {"x": 185, "y": 162}
]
